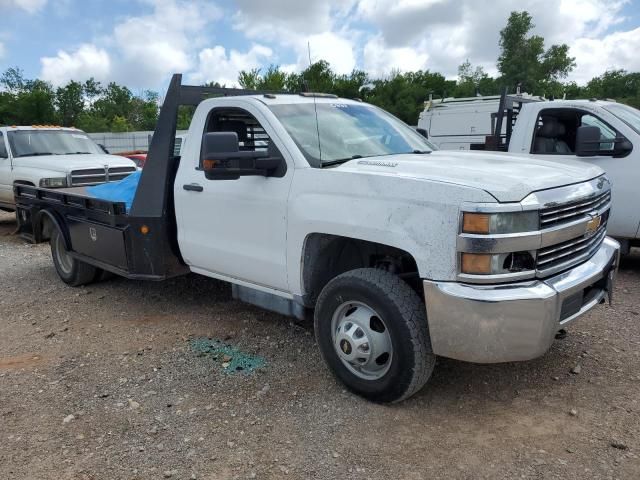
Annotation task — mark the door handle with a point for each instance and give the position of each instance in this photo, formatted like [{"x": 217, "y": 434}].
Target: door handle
[{"x": 193, "y": 187}]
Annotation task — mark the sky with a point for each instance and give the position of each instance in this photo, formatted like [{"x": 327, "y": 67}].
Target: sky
[{"x": 140, "y": 43}]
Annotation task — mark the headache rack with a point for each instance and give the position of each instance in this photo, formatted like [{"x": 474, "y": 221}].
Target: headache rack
[
  {"x": 141, "y": 243},
  {"x": 509, "y": 107}
]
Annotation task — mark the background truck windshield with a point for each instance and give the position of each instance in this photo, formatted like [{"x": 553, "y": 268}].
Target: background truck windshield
[
  {"x": 344, "y": 131},
  {"x": 28, "y": 143},
  {"x": 628, "y": 115}
]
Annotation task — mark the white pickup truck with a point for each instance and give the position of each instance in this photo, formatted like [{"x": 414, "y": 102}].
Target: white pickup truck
[
  {"x": 53, "y": 157},
  {"x": 342, "y": 210},
  {"x": 602, "y": 133}
]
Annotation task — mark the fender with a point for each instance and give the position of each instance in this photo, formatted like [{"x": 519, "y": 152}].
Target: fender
[{"x": 54, "y": 218}]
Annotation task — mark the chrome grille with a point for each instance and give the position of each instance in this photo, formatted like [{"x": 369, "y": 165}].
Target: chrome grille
[
  {"x": 95, "y": 176},
  {"x": 565, "y": 213},
  {"x": 561, "y": 256}
]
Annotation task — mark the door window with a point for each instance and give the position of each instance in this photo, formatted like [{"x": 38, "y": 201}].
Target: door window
[
  {"x": 556, "y": 131},
  {"x": 251, "y": 135},
  {"x": 606, "y": 132},
  {"x": 3, "y": 147}
]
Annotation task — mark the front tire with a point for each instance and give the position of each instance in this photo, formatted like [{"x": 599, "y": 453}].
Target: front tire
[
  {"x": 372, "y": 331},
  {"x": 71, "y": 270}
]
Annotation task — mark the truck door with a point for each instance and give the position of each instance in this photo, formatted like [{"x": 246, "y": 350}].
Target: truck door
[
  {"x": 6, "y": 188},
  {"x": 555, "y": 139},
  {"x": 234, "y": 228}
]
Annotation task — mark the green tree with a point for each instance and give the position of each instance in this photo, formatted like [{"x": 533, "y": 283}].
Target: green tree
[
  {"x": 523, "y": 59},
  {"x": 470, "y": 80},
  {"x": 90, "y": 122},
  {"x": 70, "y": 103},
  {"x": 35, "y": 104},
  {"x": 13, "y": 80},
  {"x": 250, "y": 79},
  {"x": 120, "y": 124}
]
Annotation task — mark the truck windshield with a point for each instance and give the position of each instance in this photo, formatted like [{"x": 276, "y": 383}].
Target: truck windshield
[
  {"x": 31, "y": 143},
  {"x": 628, "y": 115},
  {"x": 344, "y": 131}
]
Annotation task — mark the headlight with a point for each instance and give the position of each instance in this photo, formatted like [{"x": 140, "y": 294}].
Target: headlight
[
  {"x": 56, "y": 182},
  {"x": 497, "y": 223}
]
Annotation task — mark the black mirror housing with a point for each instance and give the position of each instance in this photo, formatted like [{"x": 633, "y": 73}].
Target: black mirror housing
[
  {"x": 422, "y": 132},
  {"x": 587, "y": 141},
  {"x": 622, "y": 148},
  {"x": 221, "y": 158}
]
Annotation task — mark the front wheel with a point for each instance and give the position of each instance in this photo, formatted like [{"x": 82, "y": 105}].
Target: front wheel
[
  {"x": 71, "y": 270},
  {"x": 372, "y": 331}
]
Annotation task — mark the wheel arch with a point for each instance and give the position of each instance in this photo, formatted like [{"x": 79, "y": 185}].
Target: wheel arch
[
  {"x": 44, "y": 224},
  {"x": 325, "y": 256}
]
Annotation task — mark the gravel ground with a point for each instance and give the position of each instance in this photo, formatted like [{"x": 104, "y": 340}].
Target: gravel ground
[{"x": 103, "y": 383}]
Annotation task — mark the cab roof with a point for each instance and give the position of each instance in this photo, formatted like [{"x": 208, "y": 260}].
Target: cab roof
[{"x": 290, "y": 98}]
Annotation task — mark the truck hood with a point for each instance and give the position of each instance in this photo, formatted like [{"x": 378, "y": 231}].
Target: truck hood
[
  {"x": 67, "y": 163},
  {"x": 507, "y": 177}
]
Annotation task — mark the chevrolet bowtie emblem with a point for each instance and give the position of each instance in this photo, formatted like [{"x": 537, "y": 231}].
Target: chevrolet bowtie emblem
[{"x": 593, "y": 225}]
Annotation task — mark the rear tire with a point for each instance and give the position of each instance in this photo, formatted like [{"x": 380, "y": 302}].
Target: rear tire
[
  {"x": 103, "y": 275},
  {"x": 71, "y": 270},
  {"x": 372, "y": 331}
]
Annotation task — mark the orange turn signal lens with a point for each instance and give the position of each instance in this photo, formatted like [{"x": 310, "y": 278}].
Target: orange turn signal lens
[
  {"x": 475, "y": 223},
  {"x": 144, "y": 229},
  {"x": 209, "y": 164},
  {"x": 476, "y": 264}
]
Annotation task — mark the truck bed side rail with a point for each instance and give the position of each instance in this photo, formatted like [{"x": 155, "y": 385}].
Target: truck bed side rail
[{"x": 60, "y": 197}]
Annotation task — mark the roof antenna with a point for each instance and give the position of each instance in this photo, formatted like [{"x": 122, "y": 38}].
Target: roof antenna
[{"x": 315, "y": 106}]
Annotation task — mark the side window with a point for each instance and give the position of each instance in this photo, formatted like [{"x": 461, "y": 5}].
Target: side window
[
  {"x": 555, "y": 133},
  {"x": 251, "y": 135},
  {"x": 3, "y": 148},
  {"x": 606, "y": 132}
]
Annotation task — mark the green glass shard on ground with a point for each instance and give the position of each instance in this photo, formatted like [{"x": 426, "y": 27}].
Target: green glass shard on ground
[{"x": 231, "y": 359}]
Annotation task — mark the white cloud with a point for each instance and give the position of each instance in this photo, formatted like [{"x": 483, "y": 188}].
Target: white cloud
[
  {"x": 379, "y": 60},
  {"x": 2, "y": 50},
  {"x": 85, "y": 62},
  {"x": 215, "y": 65},
  {"x": 614, "y": 51},
  {"x": 154, "y": 46},
  {"x": 29, "y": 6},
  {"x": 375, "y": 35},
  {"x": 449, "y": 31},
  {"x": 294, "y": 25},
  {"x": 142, "y": 51}
]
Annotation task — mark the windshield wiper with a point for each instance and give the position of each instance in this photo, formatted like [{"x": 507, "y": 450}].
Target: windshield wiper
[
  {"x": 421, "y": 151},
  {"x": 36, "y": 154},
  {"x": 78, "y": 153},
  {"x": 339, "y": 161}
]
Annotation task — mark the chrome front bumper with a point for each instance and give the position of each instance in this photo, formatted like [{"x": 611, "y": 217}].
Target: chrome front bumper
[{"x": 517, "y": 321}]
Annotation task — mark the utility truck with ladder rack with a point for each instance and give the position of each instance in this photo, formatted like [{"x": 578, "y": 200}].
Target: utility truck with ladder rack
[
  {"x": 599, "y": 132},
  {"x": 315, "y": 204}
]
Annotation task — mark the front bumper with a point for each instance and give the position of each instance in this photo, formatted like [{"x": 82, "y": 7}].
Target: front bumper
[{"x": 518, "y": 321}]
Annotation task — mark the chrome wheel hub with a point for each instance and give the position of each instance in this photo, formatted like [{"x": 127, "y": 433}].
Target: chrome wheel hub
[
  {"x": 362, "y": 340},
  {"x": 64, "y": 259}
]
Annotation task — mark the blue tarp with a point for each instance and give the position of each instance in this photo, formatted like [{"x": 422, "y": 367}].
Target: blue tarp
[{"x": 121, "y": 191}]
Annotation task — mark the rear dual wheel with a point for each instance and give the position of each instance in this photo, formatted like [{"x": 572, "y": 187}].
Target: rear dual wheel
[
  {"x": 372, "y": 331},
  {"x": 71, "y": 270}
]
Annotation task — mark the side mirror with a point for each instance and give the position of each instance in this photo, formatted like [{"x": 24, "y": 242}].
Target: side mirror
[
  {"x": 587, "y": 141},
  {"x": 622, "y": 147},
  {"x": 422, "y": 132},
  {"x": 221, "y": 158}
]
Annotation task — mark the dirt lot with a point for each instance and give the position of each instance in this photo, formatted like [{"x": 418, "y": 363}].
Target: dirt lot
[{"x": 112, "y": 382}]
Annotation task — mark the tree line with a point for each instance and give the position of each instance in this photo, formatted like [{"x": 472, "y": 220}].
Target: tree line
[{"x": 524, "y": 61}]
